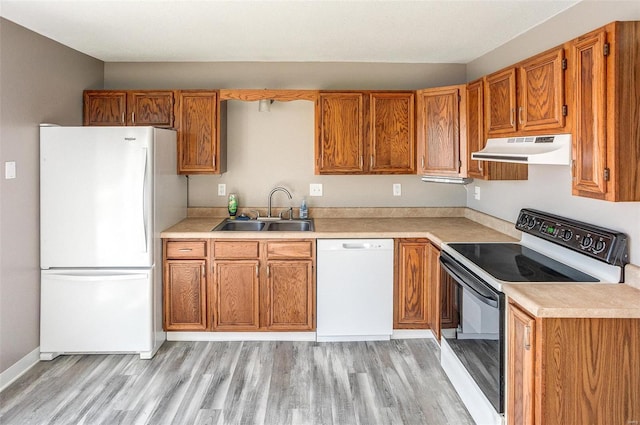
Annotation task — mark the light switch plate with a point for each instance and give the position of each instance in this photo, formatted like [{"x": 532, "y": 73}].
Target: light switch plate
[
  {"x": 315, "y": 189},
  {"x": 10, "y": 170},
  {"x": 397, "y": 189},
  {"x": 222, "y": 189}
]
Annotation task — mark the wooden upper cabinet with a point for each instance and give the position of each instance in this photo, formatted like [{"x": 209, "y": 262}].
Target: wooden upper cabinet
[
  {"x": 365, "y": 133},
  {"x": 150, "y": 108},
  {"x": 529, "y": 97},
  {"x": 200, "y": 136},
  {"x": 340, "y": 141},
  {"x": 500, "y": 109},
  {"x": 606, "y": 151},
  {"x": 129, "y": 107},
  {"x": 102, "y": 107},
  {"x": 441, "y": 126},
  {"x": 476, "y": 140},
  {"x": 391, "y": 133}
]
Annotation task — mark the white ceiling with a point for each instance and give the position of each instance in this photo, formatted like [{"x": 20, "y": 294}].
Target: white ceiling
[{"x": 427, "y": 31}]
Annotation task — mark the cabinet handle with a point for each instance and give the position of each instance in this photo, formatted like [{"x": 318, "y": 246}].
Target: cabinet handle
[
  {"x": 422, "y": 162},
  {"x": 268, "y": 271},
  {"x": 511, "y": 116},
  {"x": 257, "y": 270},
  {"x": 214, "y": 161},
  {"x": 133, "y": 118},
  {"x": 520, "y": 115},
  {"x": 123, "y": 118},
  {"x": 202, "y": 270},
  {"x": 185, "y": 250},
  {"x": 527, "y": 337},
  {"x": 361, "y": 161},
  {"x": 480, "y": 166},
  {"x": 371, "y": 162}
]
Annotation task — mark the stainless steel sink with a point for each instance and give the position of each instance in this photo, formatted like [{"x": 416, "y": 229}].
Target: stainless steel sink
[
  {"x": 273, "y": 226},
  {"x": 240, "y": 226},
  {"x": 290, "y": 226}
]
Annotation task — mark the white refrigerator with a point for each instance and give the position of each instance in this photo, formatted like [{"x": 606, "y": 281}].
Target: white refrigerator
[{"x": 106, "y": 193}]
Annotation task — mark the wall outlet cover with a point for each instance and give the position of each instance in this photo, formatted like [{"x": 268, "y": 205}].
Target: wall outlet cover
[
  {"x": 10, "y": 170},
  {"x": 222, "y": 189},
  {"x": 315, "y": 189},
  {"x": 397, "y": 189}
]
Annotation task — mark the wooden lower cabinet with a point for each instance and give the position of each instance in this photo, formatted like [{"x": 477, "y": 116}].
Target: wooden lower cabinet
[
  {"x": 236, "y": 295},
  {"x": 564, "y": 371},
  {"x": 185, "y": 285},
  {"x": 289, "y": 295}
]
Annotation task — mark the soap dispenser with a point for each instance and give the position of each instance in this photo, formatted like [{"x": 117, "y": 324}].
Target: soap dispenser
[
  {"x": 304, "y": 211},
  {"x": 232, "y": 206}
]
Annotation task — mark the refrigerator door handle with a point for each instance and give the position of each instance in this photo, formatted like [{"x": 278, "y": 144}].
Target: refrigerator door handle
[
  {"x": 97, "y": 277},
  {"x": 144, "y": 199}
]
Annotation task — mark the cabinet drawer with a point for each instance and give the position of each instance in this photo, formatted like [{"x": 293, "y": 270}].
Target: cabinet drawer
[
  {"x": 290, "y": 249},
  {"x": 236, "y": 249},
  {"x": 186, "y": 249}
]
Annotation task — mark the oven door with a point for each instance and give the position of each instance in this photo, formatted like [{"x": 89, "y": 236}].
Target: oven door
[{"x": 474, "y": 329}]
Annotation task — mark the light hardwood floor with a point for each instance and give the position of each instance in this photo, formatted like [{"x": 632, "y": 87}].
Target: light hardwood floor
[{"x": 390, "y": 382}]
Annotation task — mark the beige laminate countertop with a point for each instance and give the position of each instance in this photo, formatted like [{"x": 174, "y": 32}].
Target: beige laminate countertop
[{"x": 541, "y": 300}]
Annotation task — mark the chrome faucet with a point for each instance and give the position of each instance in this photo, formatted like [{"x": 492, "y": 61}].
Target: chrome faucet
[{"x": 274, "y": 190}]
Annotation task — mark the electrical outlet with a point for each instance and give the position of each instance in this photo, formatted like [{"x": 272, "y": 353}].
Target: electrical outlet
[
  {"x": 222, "y": 189},
  {"x": 315, "y": 189},
  {"x": 476, "y": 193},
  {"x": 397, "y": 189},
  {"x": 10, "y": 170}
]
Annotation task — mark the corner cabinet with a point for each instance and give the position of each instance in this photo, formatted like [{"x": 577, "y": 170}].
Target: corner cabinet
[
  {"x": 572, "y": 370},
  {"x": 185, "y": 285},
  {"x": 441, "y": 126},
  {"x": 201, "y": 125},
  {"x": 528, "y": 98},
  {"x": 606, "y": 147},
  {"x": 365, "y": 133},
  {"x": 129, "y": 107},
  {"x": 476, "y": 140}
]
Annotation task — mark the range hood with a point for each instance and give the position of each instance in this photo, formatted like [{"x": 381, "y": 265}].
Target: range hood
[
  {"x": 450, "y": 180},
  {"x": 552, "y": 149}
]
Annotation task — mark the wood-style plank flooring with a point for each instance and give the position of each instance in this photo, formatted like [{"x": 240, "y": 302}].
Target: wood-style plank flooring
[{"x": 275, "y": 383}]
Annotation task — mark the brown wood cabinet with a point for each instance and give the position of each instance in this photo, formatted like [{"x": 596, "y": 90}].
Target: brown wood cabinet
[
  {"x": 201, "y": 125},
  {"x": 263, "y": 285},
  {"x": 185, "y": 285},
  {"x": 441, "y": 125},
  {"x": 434, "y": 293},
  {"x": 606, "y": 151},
  {"x": 129, "y": 107},
  {"x": 411, "y": 284},
  {"x": 476, "y": 140},
  {"x": 529, "y": 97},
  {"x": 365, "y": 133},
  {"x": 572, "y": 370}
]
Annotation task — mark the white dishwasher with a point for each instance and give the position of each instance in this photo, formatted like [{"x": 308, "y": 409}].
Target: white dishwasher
[{"x": 355, "y": 289}]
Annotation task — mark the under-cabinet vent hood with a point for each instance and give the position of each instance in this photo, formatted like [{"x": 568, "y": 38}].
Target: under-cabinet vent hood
[
  {"x": 553, "y": 149},
  {"x": 450, "y": 180}
]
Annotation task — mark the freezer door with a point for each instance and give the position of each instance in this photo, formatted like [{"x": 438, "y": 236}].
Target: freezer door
[
  {"x": 96, "y": 311},
  {"x": 96, "y": 194}
]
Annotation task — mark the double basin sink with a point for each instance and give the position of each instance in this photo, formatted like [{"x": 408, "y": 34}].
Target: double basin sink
[{"x": 262, "y": 226}]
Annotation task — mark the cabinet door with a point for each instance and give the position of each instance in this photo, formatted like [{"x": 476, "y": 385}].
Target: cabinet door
[
  {"x": 391, "y": 129},
  {"x": 185, "y": 302},
  {"x": 290, "y": 296},
  {"x": 439, "y": 131},
  {"x": 433, "y": 289},
  {"x": 589, "y": 142},
  {"x": 520, "y": 367},
  {"x": 410, "y": 290},
  {"x": 236, "y": 286},
  {"x": 198, "y": 133},
  {"x": 475, "y": 127},
  {"x": 340, "y": 144},
  {"x": 542, "y": 92},
  {"x": 105, "y": 107},
  {"x": 500, "y": 102},
  {"x": 150, "y": 108}
]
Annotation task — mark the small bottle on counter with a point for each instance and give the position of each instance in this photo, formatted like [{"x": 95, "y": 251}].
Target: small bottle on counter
[
  {"x": 304, "y": 211},
  {"x": 232, "y": 206}
]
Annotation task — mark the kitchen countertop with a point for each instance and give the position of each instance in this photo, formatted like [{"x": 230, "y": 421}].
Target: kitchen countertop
[{"x": 541, "y": 300}]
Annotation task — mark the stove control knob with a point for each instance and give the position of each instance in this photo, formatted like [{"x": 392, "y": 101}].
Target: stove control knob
[
  {"x": 599, "y": 246},
  {"x": 566, "y": 234},
  {"x": 531, "y": 222},
  {"x": 586, "y": 242}
]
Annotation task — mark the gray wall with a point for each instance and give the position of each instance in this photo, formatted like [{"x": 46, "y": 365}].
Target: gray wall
[
  {"x": 268, "y": 149},
  {"x": 549, "y": 187},
  {"x": 40, "y": 81}
]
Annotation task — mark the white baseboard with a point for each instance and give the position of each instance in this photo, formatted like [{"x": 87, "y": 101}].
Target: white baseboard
[
  {"x": 412, "y": 333},
  {"x": 19, "y": 368},
  {"x": 241, "y": 336}
]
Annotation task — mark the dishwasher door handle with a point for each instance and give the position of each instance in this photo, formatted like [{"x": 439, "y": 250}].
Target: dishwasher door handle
[{"x": 356, "y": 245}]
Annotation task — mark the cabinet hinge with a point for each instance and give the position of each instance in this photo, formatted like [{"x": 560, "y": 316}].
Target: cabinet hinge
[
  {"x": 606, "y": 49},
  {"x": 606, "y": 174},
  {"x": 565, "y": 110},
  {"x": 564, "y": 63}
]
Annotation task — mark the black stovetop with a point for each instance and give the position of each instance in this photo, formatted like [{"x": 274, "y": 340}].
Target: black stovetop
[{"x": 512, "y": 262}]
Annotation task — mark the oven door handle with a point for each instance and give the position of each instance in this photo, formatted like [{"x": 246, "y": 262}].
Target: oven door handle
[{"x": 475, "y": 286}]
